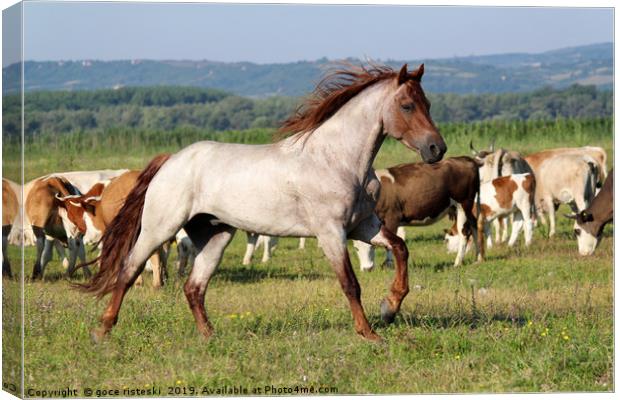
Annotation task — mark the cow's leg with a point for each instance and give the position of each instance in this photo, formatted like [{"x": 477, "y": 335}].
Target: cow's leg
[
  {"x": 507, "y": 222},
  {"x": 372, "y": 231},
  {"x": 158, "y": 278},
  {"x": 6, "y": 265},
  {"x": 81, "y": 253},
  {"x": 37, "y": 271},
  {"x": 497, "y": 227},
  {"x": 517, "y": 225},
  {"x": 164, "y": 252},
  {"x": 302, "y": 243},
  {"x": 526, "y": 213},
  {"x": 73, "y": 247},
  {"x": 461, "y": 221},
  {"x": 60, "y": 249},
  {"x": 366, "y": 254},
  {"x": 550, "y": 208},
  {"x": 48, "y": 252},
  {"x": 182, "y": 255},
  {"x": 249, "y": 249},
  {"x": 334, "y": 244},
  {"x": 391, "y": 223},
  {"x": 268, "y": 245},
  {"x": 484, "y": 233},
  {"x": 210, "y": 241}
]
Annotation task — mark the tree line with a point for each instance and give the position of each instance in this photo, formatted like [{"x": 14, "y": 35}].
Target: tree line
[{"x": 171, "y": 108}]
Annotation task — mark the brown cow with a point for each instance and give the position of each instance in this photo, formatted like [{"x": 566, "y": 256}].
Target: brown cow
[
  {"x": 94, "y": 211},
  {"x": 10, "y": 208},
  {"x": 420, "y": 194},
  {"x": 589, "y": 223}
]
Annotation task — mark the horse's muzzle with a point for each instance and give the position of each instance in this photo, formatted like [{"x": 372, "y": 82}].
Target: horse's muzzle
[{"x": 433, "y": 151}]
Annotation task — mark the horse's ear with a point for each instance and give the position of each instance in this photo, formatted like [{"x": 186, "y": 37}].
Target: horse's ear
[
  {"x": 417, "y": 74},
  {"x": 402, "y": 75}
]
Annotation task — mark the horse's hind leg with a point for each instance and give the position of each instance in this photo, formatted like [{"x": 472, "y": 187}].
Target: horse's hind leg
[
  {"x": 210, "y": 241},
  {"x": 148, "y": 242}
]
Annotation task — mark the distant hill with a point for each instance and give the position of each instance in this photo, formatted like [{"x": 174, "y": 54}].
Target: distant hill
[{"x": 501, "y": 73}]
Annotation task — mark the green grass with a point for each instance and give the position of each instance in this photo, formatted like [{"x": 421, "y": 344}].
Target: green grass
[
  {"x": 526, "y": 320},
  {"x": 498, "y": 326}
]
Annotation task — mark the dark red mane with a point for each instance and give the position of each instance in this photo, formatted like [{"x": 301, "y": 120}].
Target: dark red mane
[{"x": 334, "y": 90}]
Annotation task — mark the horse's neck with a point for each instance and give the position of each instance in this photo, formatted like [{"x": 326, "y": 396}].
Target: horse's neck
[{"x": 351, "y": 138}]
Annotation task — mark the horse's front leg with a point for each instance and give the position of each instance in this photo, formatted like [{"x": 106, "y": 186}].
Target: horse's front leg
[
  {"x": 373, "y": 232},
  {"x": 334, "y": 245}
]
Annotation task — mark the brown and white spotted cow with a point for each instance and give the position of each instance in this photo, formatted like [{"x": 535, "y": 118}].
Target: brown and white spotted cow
[
  {"x": 10, "y": 209},
  {"x": 513, "y": 194},
  {"x": 47, "y": 217},
  {"x": 421, "y": 194},
  {"x": 496, "y": 163},
  {"x": 93, "y": 212},
  {"x": 589, "y": 223}
]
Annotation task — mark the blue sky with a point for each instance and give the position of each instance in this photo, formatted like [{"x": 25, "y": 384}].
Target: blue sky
[{"x": 283, "y": 33}]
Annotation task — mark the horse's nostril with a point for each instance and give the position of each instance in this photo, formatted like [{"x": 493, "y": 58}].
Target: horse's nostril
[{"x": 434, "y": 150}]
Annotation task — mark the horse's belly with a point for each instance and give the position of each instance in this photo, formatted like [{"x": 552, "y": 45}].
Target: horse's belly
[{"x": 260, "y": 213}]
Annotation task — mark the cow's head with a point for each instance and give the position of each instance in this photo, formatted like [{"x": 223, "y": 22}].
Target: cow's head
[
  {"x": 451, "y": 238},
  {"x": 74, "y": 208},
  {"x": 587, "y": 231},
  {"x": 487, "y": 161}
]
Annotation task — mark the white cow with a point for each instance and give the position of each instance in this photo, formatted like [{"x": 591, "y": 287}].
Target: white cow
[{"x": 567, "y": 179}]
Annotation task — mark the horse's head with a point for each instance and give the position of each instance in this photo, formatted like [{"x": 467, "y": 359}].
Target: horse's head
[{"x": 407, "y": 117}]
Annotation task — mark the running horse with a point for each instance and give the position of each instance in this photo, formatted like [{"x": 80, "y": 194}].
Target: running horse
[{"x": 317, "y": 180}]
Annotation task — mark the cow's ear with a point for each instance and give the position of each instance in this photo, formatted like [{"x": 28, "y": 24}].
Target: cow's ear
[
  {"x": 586, "y": 216},
  {"x": 59, "y": 201}
]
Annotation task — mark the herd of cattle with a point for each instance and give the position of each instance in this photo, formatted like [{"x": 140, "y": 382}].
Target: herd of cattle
[{"x": 499, "y": 187}]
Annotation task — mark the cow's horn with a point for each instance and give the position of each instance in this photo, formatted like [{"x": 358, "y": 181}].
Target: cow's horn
[{"x": 471, "y": 146}]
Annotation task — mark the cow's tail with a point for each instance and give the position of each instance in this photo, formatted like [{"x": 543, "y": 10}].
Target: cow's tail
[
  {"x": 479, "y": 228},
  {"x": 122, "y": 233},
  {"x": 533, "y": 209}
]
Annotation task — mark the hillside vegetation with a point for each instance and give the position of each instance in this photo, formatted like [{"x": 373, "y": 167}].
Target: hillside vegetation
[
  {"x": 171, "y": 108},
  {"x": 499, "y": 73}
]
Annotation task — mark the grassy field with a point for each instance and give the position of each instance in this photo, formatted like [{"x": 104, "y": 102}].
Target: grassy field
[{"x": 536, "y": 319}]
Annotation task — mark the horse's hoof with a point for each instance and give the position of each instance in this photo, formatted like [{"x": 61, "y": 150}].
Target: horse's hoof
[
  {"x": 97, "y": 335},
  {"x": 387, "y": 314},
  {"x": 372, "y": 337}
]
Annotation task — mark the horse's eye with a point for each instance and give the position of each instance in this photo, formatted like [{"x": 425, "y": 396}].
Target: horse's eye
[{"x": 408, "y": 107}]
